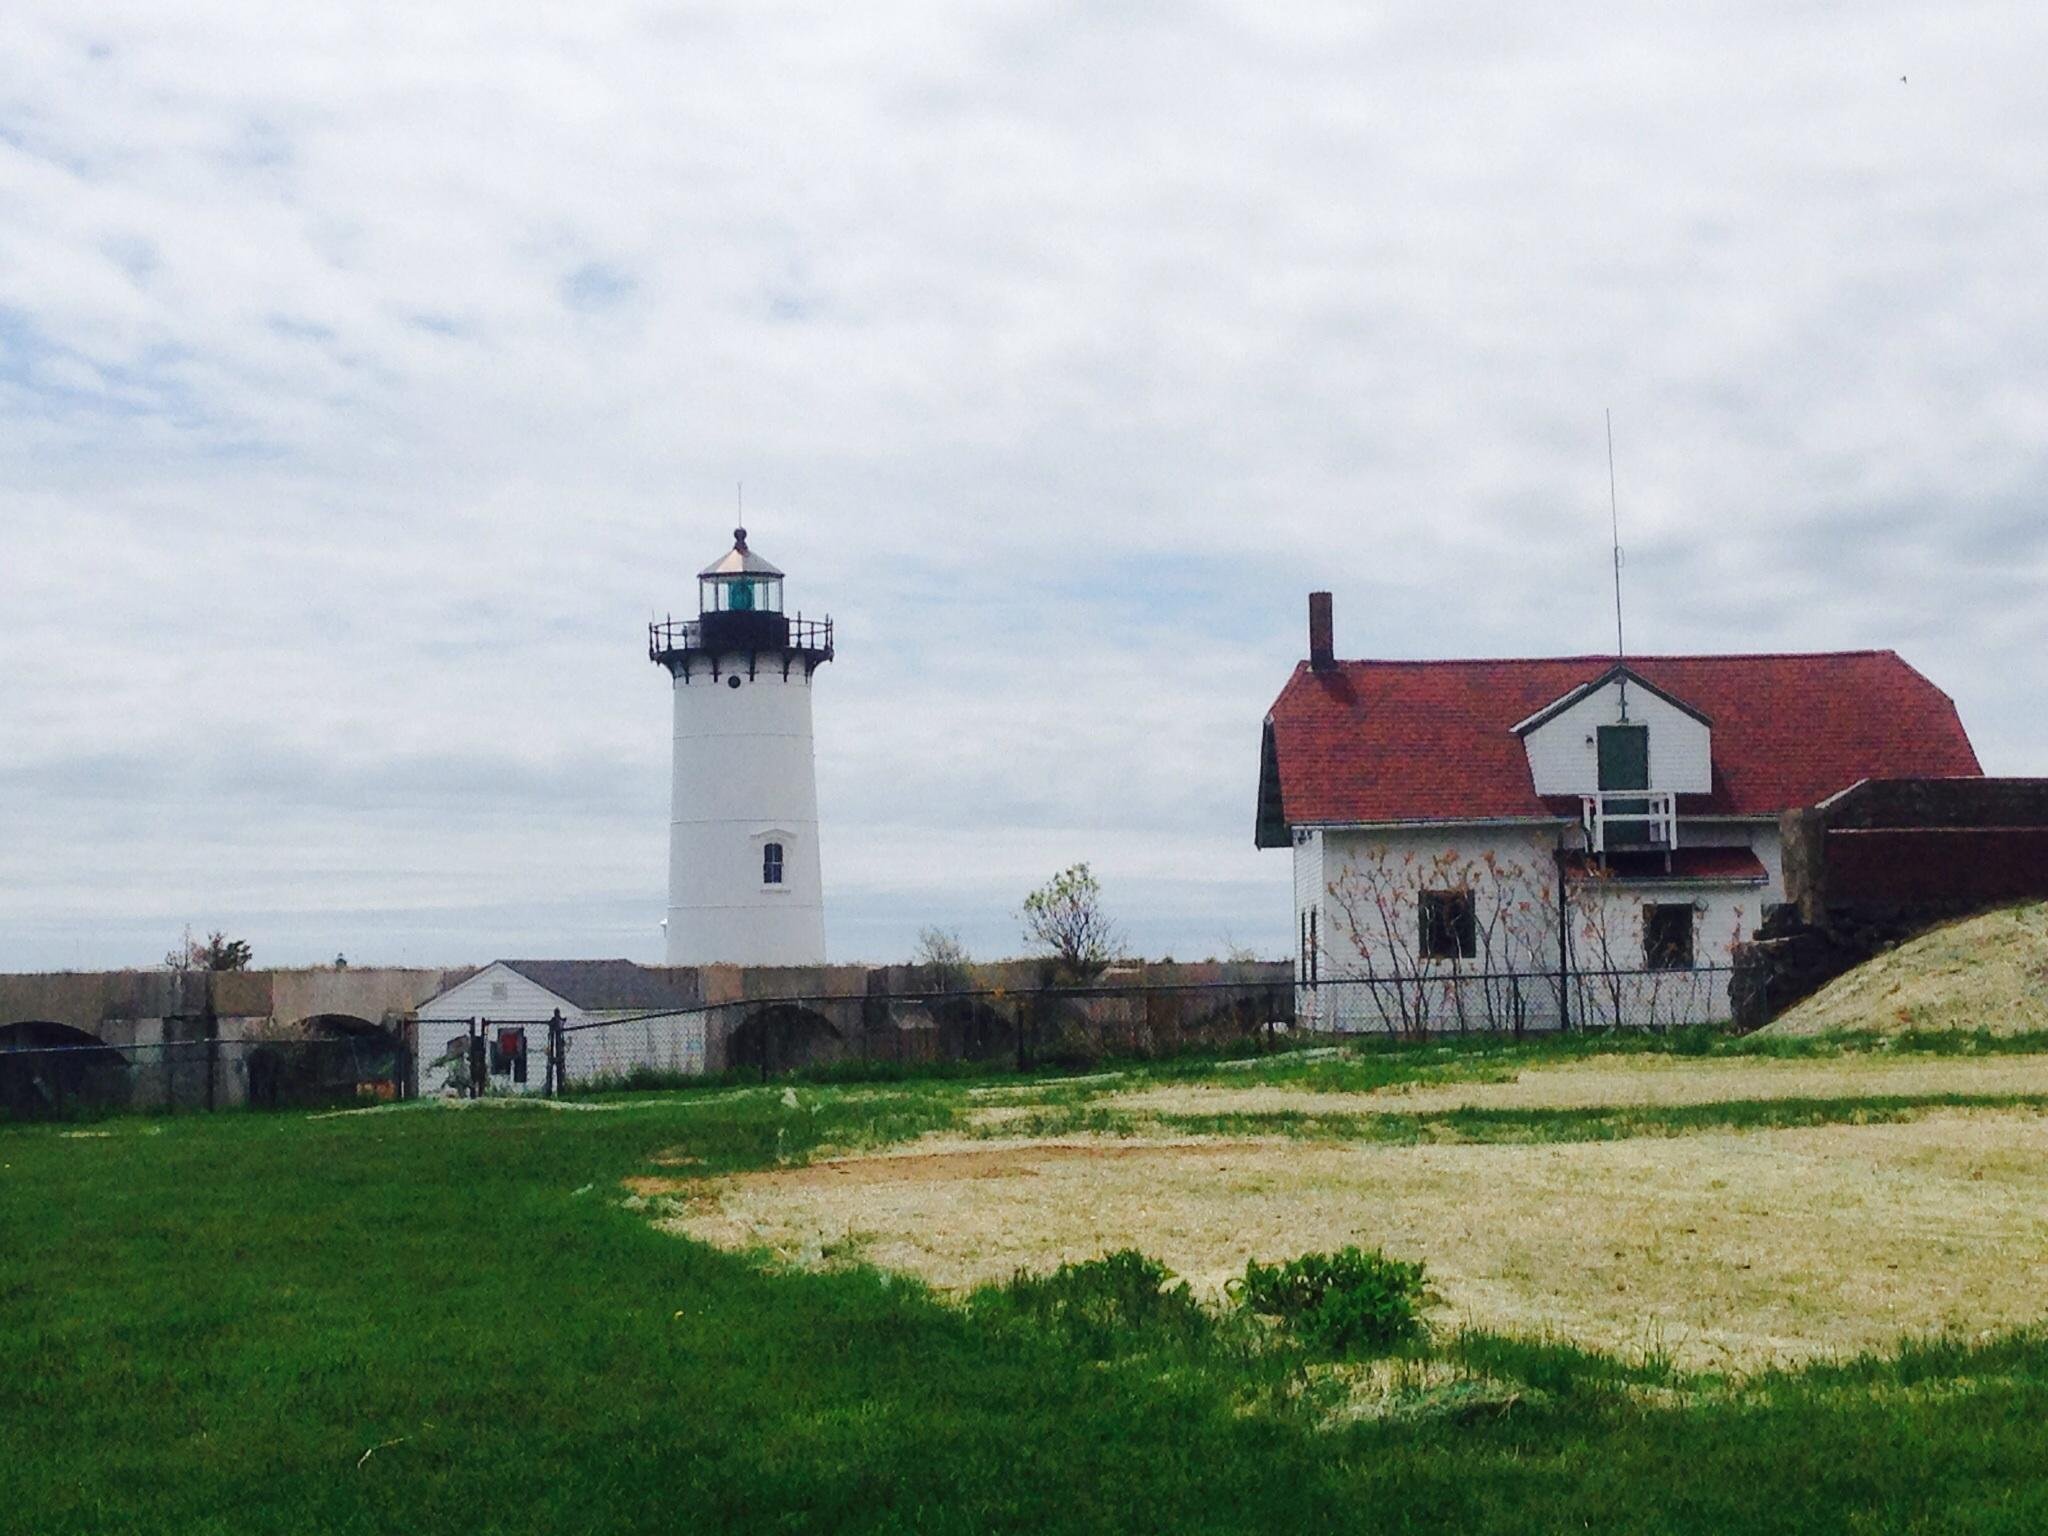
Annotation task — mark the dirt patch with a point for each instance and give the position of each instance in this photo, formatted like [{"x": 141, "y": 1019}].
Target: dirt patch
[
  {"x": 940, "y": 1160},
  {"x": 1988, "y": 972},
  {"x": 1003, "y": 1114},
  {"x": 646, "y": 1184},
  {"x": 1727, "y": 1249},
  {"x": 1622, "y": 1081}
]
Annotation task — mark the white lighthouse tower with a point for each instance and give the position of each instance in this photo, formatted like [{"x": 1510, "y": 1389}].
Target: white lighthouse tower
[{"x": 743, "y": 874}]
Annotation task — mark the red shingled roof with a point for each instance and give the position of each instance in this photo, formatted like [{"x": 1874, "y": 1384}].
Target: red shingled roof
[{"x": 1384, "y": 741}]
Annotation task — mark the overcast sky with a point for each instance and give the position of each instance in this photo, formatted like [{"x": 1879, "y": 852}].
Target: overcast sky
[{"x": 369, "y": 375}]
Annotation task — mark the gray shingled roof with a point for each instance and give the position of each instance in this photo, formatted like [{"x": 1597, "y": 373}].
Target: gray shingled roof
[{"x": 603, "y": 986}]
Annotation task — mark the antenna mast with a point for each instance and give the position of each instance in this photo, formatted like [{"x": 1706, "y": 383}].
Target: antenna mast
[{"x": 1614, "y": 516}]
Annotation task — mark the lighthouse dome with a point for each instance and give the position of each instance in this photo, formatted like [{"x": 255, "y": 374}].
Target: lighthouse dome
[
  {"x": 738, "y": 561},
  {"x": 740, "y": 581}
]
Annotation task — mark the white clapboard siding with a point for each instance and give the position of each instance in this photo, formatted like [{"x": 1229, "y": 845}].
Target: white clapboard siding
[{"x": 1725, "y": 912}]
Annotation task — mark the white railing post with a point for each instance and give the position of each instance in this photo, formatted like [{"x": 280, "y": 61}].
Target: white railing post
[{"x": 1658, "y": 816}]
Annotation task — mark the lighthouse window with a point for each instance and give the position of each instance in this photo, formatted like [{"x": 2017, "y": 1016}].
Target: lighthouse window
[{"x": 771, "y": 863}]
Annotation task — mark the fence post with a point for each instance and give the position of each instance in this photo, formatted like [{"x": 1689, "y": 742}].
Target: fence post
[
  {"x": 1564, "y": 946},
  {"x": 558, "y": 1044}
]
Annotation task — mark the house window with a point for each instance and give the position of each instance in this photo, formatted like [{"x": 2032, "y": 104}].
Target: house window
[
  {"x": 771, "y": 863},
  {"x": 1450, "y": 930},
  {"x": 1667, "y": 936}
]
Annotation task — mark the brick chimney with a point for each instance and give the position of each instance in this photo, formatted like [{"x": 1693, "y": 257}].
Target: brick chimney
[{"x": 1322, "y": 649}]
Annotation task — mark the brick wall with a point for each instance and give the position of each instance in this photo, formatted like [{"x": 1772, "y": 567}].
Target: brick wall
[
  {"x": 1890, "y": 846},
  {"x": 1884, "y": 860}
]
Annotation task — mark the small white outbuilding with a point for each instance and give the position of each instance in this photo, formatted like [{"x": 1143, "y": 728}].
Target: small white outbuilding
[{"x": 651, "y": 1023}]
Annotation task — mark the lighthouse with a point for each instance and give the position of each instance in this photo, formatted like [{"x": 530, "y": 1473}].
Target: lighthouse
[{"x": 744, "y": 886}]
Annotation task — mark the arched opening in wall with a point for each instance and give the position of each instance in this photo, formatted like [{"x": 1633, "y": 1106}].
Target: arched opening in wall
[
  {"x": 1250, "y": 1015},
  {"x": 53, "y": 1069},
  {"x": 328, "y": 1058},
  {"x": 783, "y": 1037},
  {"x": 970, "y": 1029},
  {"x": 1061, "y": 1032}
]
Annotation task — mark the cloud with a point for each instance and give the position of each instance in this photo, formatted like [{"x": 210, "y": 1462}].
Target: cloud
[{"x": 365, "y": 383}]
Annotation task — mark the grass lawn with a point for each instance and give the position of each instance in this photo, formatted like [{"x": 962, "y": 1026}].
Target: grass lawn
[{"x": 207, "y": 1322}]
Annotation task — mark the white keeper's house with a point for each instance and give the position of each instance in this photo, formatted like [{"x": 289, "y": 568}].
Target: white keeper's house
[{"x": 1582, "y": 839}]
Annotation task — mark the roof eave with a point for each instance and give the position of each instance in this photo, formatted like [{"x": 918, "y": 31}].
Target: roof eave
[{"x": 1270, "y": 828}]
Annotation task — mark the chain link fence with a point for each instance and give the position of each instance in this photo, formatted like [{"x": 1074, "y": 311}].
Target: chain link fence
[
  {"x": 1481, "y": 1001},
  {"x": 994, "y": 1029}
]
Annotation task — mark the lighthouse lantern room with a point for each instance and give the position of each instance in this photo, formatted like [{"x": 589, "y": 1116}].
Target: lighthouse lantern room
[{"x": 744, "y": 884}]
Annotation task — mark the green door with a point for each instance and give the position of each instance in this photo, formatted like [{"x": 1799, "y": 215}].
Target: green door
[{"x": 1625, "y": 764}]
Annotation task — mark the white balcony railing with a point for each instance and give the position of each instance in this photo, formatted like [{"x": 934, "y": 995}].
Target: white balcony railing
[{"x": 1610, "y": 817}]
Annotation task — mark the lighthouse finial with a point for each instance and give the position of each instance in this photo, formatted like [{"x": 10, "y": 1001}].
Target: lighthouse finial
[{"x": 739, "y": 540}]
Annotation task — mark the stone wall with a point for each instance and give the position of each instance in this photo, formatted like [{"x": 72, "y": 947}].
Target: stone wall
[{"x": 188, "y": 1039}]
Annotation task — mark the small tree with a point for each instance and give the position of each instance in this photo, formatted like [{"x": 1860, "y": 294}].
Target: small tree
[
  {"x": 944, "y": 959},
  {"x": 1065, "y": 916},
  {"x": 217, "y": 953}
]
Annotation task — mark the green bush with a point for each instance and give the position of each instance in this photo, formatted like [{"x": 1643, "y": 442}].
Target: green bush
[
  {"x": 1104, "y": 1306},
  {"x": 1348, "y": 1302}
]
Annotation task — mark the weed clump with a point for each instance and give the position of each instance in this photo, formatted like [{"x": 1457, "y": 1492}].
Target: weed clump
[
  {"x": 1114, "y": 1304},
  {"x": 1350, "y": 1302}
]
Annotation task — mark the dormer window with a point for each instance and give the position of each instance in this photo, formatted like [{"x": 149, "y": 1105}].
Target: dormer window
[
  {"x": 771, "y": 863},
  {"x": 1615, "y": 733}
]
